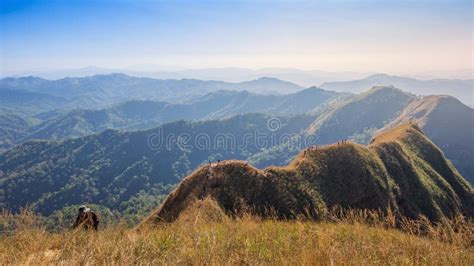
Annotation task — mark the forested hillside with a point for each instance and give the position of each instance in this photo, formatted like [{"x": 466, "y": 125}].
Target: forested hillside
[
  {"x": 134, "y": 115},
  {"x": 116, "y": 169}
]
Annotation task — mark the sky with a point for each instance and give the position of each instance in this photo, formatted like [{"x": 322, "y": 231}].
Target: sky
[{"x": 332, "y": 35}]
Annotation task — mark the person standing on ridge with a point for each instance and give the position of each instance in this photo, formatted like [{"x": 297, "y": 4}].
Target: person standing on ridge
[{"x": 87, "y": 219}]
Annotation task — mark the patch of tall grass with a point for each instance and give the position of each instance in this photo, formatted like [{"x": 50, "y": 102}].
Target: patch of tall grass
[{"x": 346, "y": 237}]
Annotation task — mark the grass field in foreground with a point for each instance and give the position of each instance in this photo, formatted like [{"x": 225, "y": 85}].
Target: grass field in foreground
[{"x": 246, "y": 240}]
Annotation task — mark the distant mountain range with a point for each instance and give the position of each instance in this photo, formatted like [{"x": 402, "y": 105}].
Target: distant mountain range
[
  {"x": 148, "y": 114},
  {"x": 101, "y": 91},
  {"x": 307, "y": 78},
  {"x": 461, "y": 89}
]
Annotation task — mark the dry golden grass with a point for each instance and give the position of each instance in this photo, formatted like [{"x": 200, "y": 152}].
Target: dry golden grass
[
  {"x": 392, "y": 134},
  {"x": 357, "y": 238}
]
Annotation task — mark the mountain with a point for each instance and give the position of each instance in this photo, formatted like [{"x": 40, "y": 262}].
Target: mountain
[
  {"x": 459, "y": 88},
  {"x": 117, "y": 169},
  {"x": 360, "y": 116},
  {"x": 449, "y": 124},
  {"x": 28, "y": 102},
  {"x": 148, "y": 114},
  {"x": 12, "y": 129},
  {"x": 267, "y": 85},
  {"x": 100, "y": 91},
  {"x": 306, "y": 78},
  {"x": 447, "y": 121},
  {"x": 401, "y": 170},
  {"x": 120, "y": 169}
]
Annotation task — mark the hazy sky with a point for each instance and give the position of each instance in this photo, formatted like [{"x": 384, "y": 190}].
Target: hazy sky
[{"x": 364, "y": 35}]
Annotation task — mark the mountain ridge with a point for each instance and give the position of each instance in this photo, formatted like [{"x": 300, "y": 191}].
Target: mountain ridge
[
  {"x": 114, "y": 85},
  {"x": 319, "y": 178},
  {"x": 448, "y": 123}
]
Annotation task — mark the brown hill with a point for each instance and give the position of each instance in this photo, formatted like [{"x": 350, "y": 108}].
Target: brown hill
[{"x": 402, "y": 170}]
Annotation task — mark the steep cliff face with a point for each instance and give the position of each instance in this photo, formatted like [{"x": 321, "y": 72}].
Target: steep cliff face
[{"x": 401, "y": 169}]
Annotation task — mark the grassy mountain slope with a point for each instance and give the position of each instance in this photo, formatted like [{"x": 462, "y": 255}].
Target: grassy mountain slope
[
  {"x": 449, "y": 124},
  {"x": 351, "y": 241},
  {"x": 402, "y": 170},
  {"x": 426, "y": 182},
  {"x": 445, "y": 120}
]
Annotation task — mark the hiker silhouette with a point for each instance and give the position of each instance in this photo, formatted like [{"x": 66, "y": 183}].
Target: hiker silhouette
[{"x": 87, "y": 219}]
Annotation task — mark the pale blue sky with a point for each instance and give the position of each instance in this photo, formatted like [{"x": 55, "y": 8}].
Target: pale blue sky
[{"x": 380, "y": 36}]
